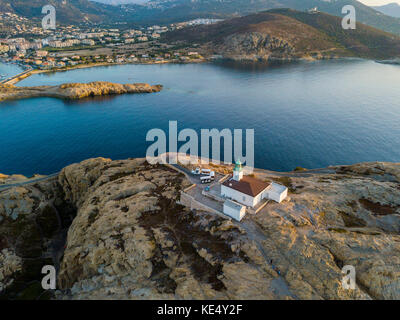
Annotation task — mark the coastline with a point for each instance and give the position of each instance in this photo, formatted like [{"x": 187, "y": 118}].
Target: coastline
[
  {"x": 26, "y": 74},
  {"x": 273, "y": 60},
  {"x": 15, "y": 179},
  {"x": 8, "y": 90},
  {"x": 325, "y": 218}
]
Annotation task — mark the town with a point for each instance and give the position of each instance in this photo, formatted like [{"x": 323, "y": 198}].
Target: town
[{"x": 27, "y": 44}]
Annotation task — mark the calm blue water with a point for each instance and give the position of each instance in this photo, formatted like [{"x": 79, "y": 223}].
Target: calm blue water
[
  {"x": 310, "y": 115},
  {"x": 9, "y": 70}
]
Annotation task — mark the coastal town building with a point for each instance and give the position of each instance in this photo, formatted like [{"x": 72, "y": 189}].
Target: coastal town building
[
  {"x": 4, "y": 48},
  {"x": 31, "y": 46}
]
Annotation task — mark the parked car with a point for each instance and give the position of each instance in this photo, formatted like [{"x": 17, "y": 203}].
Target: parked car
[
  {"x": 205, "y": 179},
  {"x": 208, "y": 172},
  {"x": 212, "y": 175},
  {"x": 196, "y": 171}
]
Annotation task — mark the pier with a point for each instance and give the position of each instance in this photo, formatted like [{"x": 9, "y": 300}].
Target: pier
[{"x": 18, "y": 77}]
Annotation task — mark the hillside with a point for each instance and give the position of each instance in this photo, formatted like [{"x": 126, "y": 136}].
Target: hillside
[
  {"x": 365, "y": 14},
  {"x": 169, "y": 11},
  {"x": 181, "y": 10},
  {"x": 288, "y": 34},
  {"x": 391, "y": 9},
  {"x": 71, "y": 11}
]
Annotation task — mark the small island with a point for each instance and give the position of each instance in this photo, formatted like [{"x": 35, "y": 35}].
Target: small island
[{"x": 74, "y": 91}]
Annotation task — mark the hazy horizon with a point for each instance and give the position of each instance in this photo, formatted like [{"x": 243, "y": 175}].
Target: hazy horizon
[
  {"x": 366, "y": 2},
  {"x": 378, "y": 2}
]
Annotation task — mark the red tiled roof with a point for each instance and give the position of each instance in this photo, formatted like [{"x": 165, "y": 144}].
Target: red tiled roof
[{"x": 247, "y": 185}]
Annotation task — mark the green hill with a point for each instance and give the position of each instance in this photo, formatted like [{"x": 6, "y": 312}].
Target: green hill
[
  {"x": 287, "y": 34},
  {"x": 181, "y": 10}
]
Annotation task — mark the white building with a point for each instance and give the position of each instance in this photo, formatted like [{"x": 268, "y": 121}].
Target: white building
[
  {"x": 41, "y": 53},
  {"x": 234, "y": 210},
  {"x": 88, "y": 42},
  {"x": 313, "y": 10},
  {"x": 248, "y": 191},
  {"x": 276, "y": 192}
]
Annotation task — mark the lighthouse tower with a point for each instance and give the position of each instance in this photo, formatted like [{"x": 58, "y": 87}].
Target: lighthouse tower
[{"x": 238, "y": 171}]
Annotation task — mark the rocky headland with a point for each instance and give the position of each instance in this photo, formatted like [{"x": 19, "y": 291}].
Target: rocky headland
[
  {"x": 75, "y": 91},
  {"x": 17, "y": 178},
  {"x": 116, "y": 230}
]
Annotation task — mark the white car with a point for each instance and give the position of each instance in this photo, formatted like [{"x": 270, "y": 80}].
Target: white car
[
  {"x": 205, "y": 179},
  {"x": 212, "y": 175}
]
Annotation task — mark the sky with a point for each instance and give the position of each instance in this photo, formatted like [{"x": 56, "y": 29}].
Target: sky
[{"x": 378, "y": 2}]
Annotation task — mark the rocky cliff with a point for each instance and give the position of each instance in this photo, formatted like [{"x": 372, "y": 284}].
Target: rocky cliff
[
  {"x": 115, "y": 230},
  {"x": 75, "y": 90}
]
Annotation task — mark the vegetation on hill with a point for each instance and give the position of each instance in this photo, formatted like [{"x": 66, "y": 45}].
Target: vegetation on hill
[
  {"x": 71, "y": 11},
  {"x": 181, "y": 10},
  {"x": 296, "y": 34},
  {"x": 365, "y": 41},
  {"x": 169, "y": 11},
  {"x": 365, "y": 14}
]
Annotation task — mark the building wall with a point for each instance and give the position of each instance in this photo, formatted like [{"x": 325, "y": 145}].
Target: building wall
[
  {"x": 188, "y": 201},
  {"x": 275, "y": 195},
  {"x": 258, "y": 199},
  {"x": 237, "y": 196},
  {"x": 235, "y": 214},
  {"x": 270, "y": 193}
]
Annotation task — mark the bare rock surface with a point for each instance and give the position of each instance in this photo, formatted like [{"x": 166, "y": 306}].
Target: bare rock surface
[
  {"x": 17, "y": 178},
  {"x": 130, "y": 239},
  {"x": 34, "y": 220},
  {"x": 75, "y": 91}
]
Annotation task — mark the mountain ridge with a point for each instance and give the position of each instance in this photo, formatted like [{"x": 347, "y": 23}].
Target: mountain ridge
[
  {"x": 170, "y": 11},
  {"x": 390, "y": 9},
  {"x": 68, "y": 11}
]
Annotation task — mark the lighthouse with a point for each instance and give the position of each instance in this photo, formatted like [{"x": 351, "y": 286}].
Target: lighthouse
[{"x": 238, "y": 171}]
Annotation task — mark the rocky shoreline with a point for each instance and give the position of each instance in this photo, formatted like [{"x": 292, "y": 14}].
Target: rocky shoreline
[
  {"x": 115, "y": 230},
  {"x": 74, "y": 91}
]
